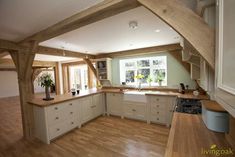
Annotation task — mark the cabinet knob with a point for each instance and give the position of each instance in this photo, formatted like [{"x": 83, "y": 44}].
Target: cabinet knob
[
  {"x": 157, "y": 99},
  {"x": 157, "y": 112},
  {"x": 157, "y": 105},
  {"x": 72, "y": 122},
  {"x": 56, "y": 108},
  {"x": 57, "y": 129},
  {"x": 71, "y": 112},
  {"x": 56, "y": 117},
  {"x": 70, "y": 104},
  {"x": 133, "y": 110},
  {"x": 157, "y": 118}
]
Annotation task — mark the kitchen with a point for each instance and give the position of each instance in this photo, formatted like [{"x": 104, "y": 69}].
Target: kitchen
[{"x": 170, "y": 97}]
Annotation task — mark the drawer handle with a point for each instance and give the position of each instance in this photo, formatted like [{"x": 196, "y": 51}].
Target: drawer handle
[
  {"x": 56, "y": 108},
  {"x": 72, "y": 123},
  {"x": 157, "y": 112},
  {"x": 58, "y": 129},
  {"x": 157, "y": 99},
  {"x": 93, "y": 106},
  {"x": 133, "y": 110},
  {"x": 157, "y": 118},
  {"x": 71, "y": 104},
  {"x": 71, "y": 112},
  {"x": 56, "y": 117},
  {"x": 157, "y": 105}
]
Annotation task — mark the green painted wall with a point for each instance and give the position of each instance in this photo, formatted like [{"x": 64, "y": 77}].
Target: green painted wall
[{"x": 175, "y": 71}]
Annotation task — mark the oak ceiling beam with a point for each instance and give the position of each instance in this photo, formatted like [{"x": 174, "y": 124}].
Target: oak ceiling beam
[
  {"x": 36, "y": 64},
  {"x": 62, "y": 53},
  {"x": 188, "y": 24},
  {"x": 8, "y": 45},
  {"x": 3, "y": 54},
  {"x": 93, "y": 14},
  {"x": 141, "y": 51},
  {"x": 91, "y": 66}
]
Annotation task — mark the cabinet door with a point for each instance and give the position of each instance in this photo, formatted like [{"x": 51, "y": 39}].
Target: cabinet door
[
  {"x": 135, "y": 111},
  {"x": 98, "y": 105},
  {"x": 87, "y": 113},
  {"x": 114, "y": 104}
]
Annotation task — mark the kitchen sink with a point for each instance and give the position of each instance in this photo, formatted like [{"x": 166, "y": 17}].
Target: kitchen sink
[{"x": 135, "y": 96}]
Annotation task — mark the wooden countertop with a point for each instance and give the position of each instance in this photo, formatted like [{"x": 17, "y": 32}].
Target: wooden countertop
[
  {"x": 37, "y": 99},
  {"x": 213, "y": 106},
  {"x": 189, "y": 136}
]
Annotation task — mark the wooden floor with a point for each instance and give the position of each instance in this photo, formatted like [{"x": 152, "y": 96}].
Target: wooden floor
[{"x": 102, "y": 137}]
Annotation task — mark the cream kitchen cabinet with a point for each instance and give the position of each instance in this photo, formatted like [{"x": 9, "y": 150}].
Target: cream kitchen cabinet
[
  {"x": 92, "y": 107},
  {"x": 98, "y": 105},
  {"x": 114, "y": 104},
  {"x": 55, "y": 120},
  {"x": 135, "y": 110},
  {"x": 86, "y": 109},
  {"x": 161, "y": 109}
]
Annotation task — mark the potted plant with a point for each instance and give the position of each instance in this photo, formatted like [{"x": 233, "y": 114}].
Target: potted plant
[
  {"x": 139, "y": 77},
  {"x": 160, "y": 77},
  {"x": 149, "y": 80},
  {"x": 45, "y": 80}
]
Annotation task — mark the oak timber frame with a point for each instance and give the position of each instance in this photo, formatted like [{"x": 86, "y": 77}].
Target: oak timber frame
[{"x": 197, "y": 33}]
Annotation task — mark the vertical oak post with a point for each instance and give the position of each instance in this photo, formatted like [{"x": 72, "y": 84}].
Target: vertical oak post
[{"x": 23, "y": 61}]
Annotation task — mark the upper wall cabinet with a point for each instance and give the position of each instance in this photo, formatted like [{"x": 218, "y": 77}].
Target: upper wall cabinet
[
  {"x": 104, "y": 69},
  {"x": 226, "y": 46}
]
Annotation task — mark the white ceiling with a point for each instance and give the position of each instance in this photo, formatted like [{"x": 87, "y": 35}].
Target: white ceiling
[
  {"x": 49, "y": 58},
  {"x": 113, "y": 34},
  {"x": 22, "y": 18}
]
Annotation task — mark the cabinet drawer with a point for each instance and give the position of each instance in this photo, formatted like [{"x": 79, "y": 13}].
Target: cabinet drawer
[
  {"x": 158, "y": 119},
  {"x": 72, "y": 123},
  {"x": 158, "y": 112},
  {"x": 57, "y": 130},
  {"x": 55, "y": 109},
  {"x": 158, "y": 106},
  {"x": 55, "y": 118},
  {"x": 159, "y": 99}
]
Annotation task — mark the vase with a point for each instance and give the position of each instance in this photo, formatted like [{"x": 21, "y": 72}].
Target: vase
[
  {"x": 160, "y": 83},
  {"x": 47, "y": 92}
]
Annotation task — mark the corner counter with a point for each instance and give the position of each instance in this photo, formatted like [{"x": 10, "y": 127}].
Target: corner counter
[{"x": 189, "y": 137}]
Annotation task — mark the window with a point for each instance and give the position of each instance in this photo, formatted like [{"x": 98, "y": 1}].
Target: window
[
  {"x": 78, "y": 77},
  {"x": 151, "y": 67}
]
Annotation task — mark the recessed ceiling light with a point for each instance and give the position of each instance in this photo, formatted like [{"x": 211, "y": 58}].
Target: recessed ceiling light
[
  {"x": 157, "y": 30},
  {"x": 133, "y": 24}
]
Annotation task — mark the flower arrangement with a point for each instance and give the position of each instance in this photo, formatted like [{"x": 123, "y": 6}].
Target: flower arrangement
[
  {"x": 139, "y": 76},
  {"x": 45, "y": 80}
]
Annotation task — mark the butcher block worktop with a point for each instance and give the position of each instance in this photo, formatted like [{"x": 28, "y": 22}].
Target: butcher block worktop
[
  {"x": 189, "y": 137},
  {"x": 37, "y": 99}
]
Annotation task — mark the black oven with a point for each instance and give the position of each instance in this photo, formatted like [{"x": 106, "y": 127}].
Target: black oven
[{"x": 191, "y": 106}]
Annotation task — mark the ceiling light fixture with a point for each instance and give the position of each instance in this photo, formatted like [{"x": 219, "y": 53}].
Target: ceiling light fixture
[
  {"x": 133, "y": 24},
  {"x": 157, "y": 30}
]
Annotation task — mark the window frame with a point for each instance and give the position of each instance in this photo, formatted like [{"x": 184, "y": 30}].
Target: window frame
[{"x": 151, "y": 66}]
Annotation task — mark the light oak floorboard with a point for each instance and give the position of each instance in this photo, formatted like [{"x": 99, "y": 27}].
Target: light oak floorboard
[{"x": 102, "y": 137}]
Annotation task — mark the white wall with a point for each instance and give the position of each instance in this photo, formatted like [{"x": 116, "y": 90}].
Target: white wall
[{"x": 8, "y": 84}]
